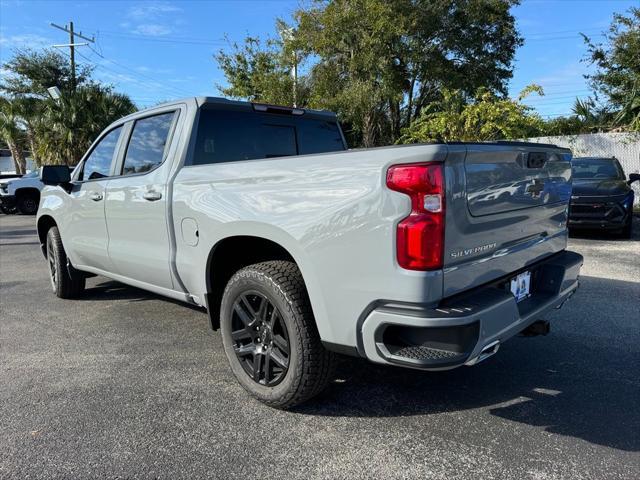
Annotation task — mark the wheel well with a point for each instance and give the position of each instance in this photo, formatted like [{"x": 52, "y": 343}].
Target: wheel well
[
  {"x": 24, "y": 192},
  {"x": 44, "y": 224},
  {"x": 230, "y": 255}
]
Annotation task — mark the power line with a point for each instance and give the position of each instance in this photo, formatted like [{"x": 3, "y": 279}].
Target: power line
[{"x": 133, "y": 72}]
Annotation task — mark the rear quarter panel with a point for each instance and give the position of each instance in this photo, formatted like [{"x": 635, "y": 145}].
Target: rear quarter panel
[{"x": 333, "y": 214}]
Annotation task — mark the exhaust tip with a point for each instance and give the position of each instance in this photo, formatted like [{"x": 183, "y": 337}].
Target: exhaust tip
[{"x": 488, "y": 351}]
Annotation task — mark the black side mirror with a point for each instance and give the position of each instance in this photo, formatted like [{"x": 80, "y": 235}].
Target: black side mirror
[
  {"x": 633, "y": 177},
  {"x": 55, "y": 175}
]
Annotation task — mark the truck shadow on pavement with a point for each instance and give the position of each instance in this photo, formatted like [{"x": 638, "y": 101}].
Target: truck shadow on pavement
[
  {"x": 111, "y": 290},
  {"x": 580, "y": 381}
]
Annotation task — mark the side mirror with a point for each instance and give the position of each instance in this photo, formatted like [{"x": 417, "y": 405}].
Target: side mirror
[
  {"x": 55, "y": 175},
  {"x": 633, "y": 177}
]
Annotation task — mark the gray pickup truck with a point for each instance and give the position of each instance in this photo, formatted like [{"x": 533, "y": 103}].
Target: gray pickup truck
[{"x": 420, "y": 256}]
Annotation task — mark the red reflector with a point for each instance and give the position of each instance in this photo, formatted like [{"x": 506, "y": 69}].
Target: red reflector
[{"x": 420, "y": 236}]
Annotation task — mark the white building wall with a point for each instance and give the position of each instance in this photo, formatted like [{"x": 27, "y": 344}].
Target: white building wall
[{"x": 624, "y": 146}]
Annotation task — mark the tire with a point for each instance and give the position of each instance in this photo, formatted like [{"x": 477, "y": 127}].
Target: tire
[
  {"x": 66, "y": 281},
  {"x": 627, "y": 230},
  {"x": 28, "y": 204},
  {"x": 269, "y": 300}
]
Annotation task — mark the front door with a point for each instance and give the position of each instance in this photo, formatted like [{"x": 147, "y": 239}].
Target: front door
[
  {"x": 136, "y": 204},
  {"x": 86, "y": 229}
]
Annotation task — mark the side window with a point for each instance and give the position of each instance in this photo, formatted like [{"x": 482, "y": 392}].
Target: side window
[
  {"x": 147, "y": 144},
  {"x": 228, "y": 136},
  {"x": 98, "y": 164}
]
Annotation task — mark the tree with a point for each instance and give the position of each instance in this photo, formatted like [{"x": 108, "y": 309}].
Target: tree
[
  {"x": 31, "y": 72},
  {"x": 617, "y": 61},
  {"x": 379, "y": 63},
  {"x": 69, "y": 125},
  {"x": 11, "y": 133},
  {"x": 261, "y": 72},
  {"x": 57, "y": 131},
  {"x": 486, "y": 118}
]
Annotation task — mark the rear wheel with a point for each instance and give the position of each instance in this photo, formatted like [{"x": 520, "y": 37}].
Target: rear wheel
[
  {"x": 66, "y": 281},
  {"x": 270, "y": 337},
  {"x": 28, "y": 204}
]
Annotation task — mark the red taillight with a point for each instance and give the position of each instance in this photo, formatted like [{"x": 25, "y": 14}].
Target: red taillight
[{"x": 420, "y": 236}]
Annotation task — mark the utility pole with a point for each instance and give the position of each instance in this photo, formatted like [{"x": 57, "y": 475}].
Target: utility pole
[
  {"x": 295, "y": 79},
  {"x": 288, "y": 35},
  {"x": 72, "y": 45}
]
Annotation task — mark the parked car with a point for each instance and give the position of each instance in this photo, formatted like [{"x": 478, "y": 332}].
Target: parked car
[
  {"x": 602, "y": 197},
  {"x": 300, "y": 249},
  {"x": 22, "y": 193}
]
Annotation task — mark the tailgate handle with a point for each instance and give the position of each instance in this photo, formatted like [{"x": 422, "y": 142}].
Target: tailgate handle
[{"x": 536, "y": 159}]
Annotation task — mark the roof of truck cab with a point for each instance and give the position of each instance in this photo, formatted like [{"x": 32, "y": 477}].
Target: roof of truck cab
[{"x": 237, "y": 105}]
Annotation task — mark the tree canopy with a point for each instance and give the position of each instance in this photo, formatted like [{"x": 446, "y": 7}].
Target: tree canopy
[
  {"x": 485, "y": 118},
  {"x": 379, "y": 63},
  {"x": 55, "y": 131},
  {"x": 617, "y": 75}
]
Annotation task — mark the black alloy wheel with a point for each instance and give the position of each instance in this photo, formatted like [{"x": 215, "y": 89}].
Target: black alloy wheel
[{"x": 260, "y": 338}]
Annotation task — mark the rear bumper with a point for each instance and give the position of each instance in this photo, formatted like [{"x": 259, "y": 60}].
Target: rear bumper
[{"x": 466, "y": 328}]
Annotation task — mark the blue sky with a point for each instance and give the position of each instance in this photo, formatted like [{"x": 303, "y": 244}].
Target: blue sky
[{"x": 159, "y": 50}]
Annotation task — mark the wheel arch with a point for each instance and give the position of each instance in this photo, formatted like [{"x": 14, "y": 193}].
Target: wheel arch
[
  {"x": 23, "y": 191},
  {"x": 229, "y": 255},
  {"x": 45, "y": 222}
]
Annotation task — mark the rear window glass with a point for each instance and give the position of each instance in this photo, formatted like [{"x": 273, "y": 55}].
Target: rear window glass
[
  {"x": 604, "y": 168},
  {"x": 147, "y": 144},
  {"x": 228, "y": 136}
]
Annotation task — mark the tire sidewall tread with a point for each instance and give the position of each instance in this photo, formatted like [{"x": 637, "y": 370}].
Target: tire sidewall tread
[{"x": 310, "y": 364}]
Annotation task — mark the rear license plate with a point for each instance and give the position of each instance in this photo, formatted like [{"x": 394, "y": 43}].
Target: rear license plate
[{"x": 520, "y": 286}]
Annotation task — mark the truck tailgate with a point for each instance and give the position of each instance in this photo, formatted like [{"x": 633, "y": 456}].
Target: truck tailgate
[{"x": 506, "y": 208}]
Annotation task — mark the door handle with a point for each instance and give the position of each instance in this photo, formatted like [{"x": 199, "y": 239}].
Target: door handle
[
  {"x": 96, "y": 197},
  {"x": 152, "y": 196}
]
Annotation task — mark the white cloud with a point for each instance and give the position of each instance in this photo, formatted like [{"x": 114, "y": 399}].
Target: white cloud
[
  {"x": 24, "y": 41},
  {"x": 153, "y": 18},
  {"x": 152, "y": 29},
  {"x": 153, "y": 10}
]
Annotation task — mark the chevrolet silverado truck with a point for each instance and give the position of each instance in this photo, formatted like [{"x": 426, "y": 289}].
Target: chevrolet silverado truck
[{"x": 301, "y": 249}]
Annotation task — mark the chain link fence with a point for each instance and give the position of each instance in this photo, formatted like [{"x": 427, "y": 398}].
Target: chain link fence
[{"x": 624, "y": 146}]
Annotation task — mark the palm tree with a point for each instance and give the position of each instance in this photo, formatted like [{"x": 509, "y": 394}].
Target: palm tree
[
  {"x": 69, "y": 125},
  {"x": 12, "y": 134}
]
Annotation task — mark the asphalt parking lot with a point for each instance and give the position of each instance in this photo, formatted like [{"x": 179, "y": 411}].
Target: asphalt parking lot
[{"x": 125, "y": 384}]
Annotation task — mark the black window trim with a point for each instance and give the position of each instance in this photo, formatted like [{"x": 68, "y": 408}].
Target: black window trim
[{"x": 172, "y": 128}]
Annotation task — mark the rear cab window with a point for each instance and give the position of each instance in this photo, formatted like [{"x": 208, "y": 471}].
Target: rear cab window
[
  {"x": 148, "y": 143},
  {"x": 234, "y": 135}
]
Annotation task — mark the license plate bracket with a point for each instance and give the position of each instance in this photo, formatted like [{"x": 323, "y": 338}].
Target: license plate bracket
[{"x": 521, "y": 286}]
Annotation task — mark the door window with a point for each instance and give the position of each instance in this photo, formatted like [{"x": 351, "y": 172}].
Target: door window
[
  {"x": 148, "y": 143},
  {"x": 98, "y": 163}
]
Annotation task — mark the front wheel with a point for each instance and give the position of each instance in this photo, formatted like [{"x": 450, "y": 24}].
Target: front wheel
[
  {"x": 270, "y": 336},
  {"x": 28, "y": 204},
  {"x": 66, "y": 281}
]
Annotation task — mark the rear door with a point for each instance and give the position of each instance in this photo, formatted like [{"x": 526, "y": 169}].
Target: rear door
[
  {"x": 507, "y": 207},
  {"x": 136, "y": 207},
  {"x": 86, "y": 230}
]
